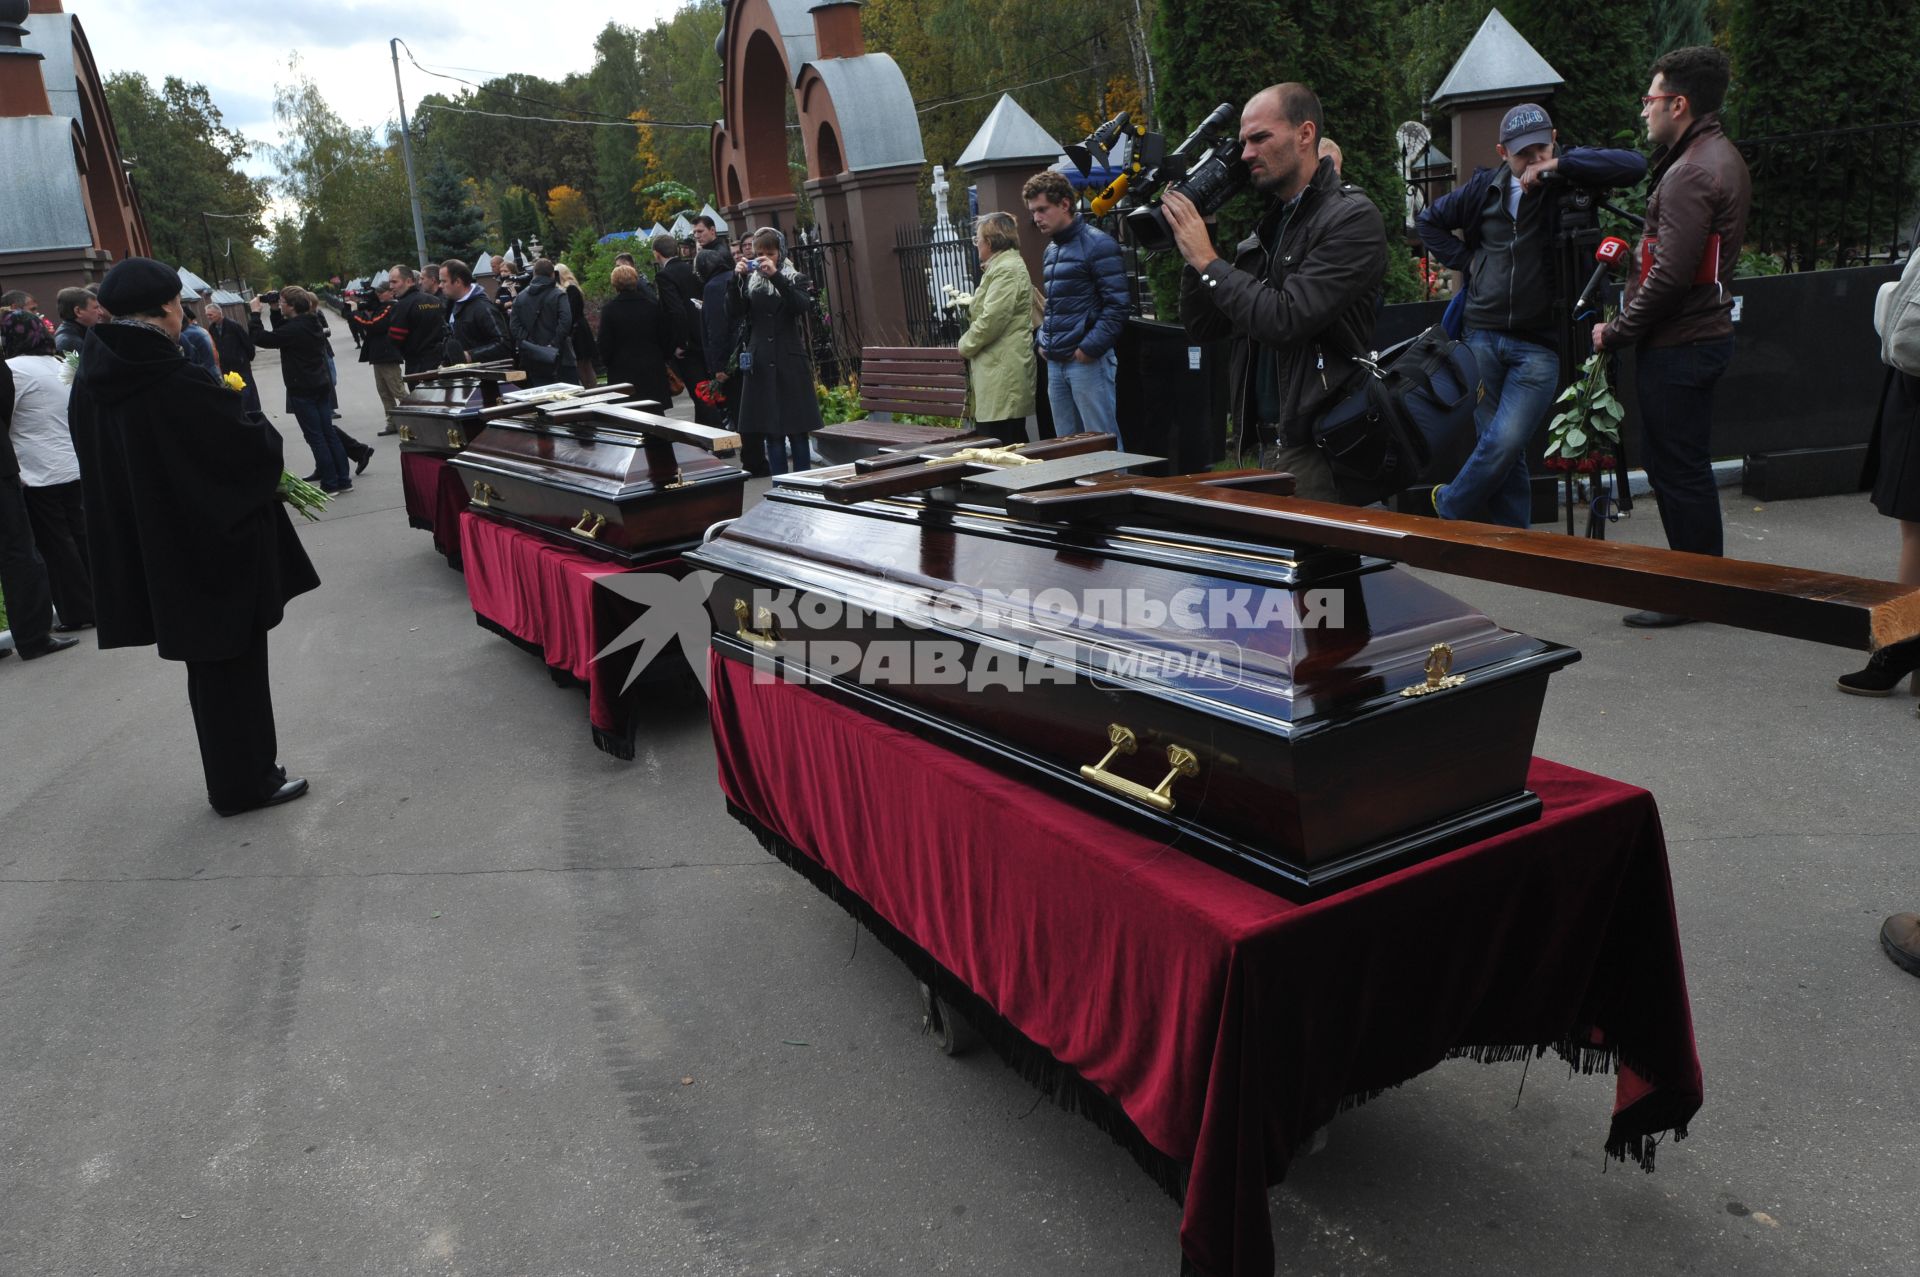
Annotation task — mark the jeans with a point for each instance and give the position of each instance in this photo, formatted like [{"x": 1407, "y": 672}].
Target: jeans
[
  {"x": 1520, "y": 378},
  {"x": 1082, "y": 396},
  {"x": 778, "y": 448},
  {"x": 1675, "y": 384},
  {"x": 315, "y": 416}
]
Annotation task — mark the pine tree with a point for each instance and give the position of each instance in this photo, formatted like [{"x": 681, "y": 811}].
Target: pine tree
[
  {"x": 454, "y": 224},
  {"x": 1677, "y": 24}
]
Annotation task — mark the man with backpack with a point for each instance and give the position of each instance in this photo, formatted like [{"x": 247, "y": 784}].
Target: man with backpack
[
  {"x": 542, "y": 324},
  {"x": 1508, "y": 217}
]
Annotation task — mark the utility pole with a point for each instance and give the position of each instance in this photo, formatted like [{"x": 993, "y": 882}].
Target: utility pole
[
  {"x": 213, "y": 269},
  {"x": 406, "y": 155}
]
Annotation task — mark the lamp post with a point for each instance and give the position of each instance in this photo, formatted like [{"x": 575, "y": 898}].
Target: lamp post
[{"x": 406, "y": 155}]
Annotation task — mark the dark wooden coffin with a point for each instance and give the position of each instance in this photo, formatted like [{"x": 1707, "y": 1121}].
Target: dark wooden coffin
[
  {"x": 629, "y": 488},
  {"x": 444, "y": 408},
  {"x": 852, "y": 440},
  {"x": 1308, "y": 718}
]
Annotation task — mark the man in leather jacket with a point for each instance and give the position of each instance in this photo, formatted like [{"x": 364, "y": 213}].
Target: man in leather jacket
[
  {"x": 1678, "y": 311},
  {"x": 1300, "y": 295}
]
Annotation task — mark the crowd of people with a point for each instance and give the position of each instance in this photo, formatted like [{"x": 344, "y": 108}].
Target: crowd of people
[{"x": 726, "y": 323}]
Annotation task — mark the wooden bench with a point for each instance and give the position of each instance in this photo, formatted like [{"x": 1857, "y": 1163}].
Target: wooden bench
[{"x": 926, "y": 381}]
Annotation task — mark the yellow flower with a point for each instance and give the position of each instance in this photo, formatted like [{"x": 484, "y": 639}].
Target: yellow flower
[{"x": 234, "y": 382}]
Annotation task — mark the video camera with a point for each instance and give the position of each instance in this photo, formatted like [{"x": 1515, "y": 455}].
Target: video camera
[{"x": 1206, "y": 168}]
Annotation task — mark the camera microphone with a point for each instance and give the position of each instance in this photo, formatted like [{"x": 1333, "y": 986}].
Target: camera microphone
[{"x": 1611, "y": 252}]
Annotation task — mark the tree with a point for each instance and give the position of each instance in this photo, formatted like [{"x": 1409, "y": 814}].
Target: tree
[
  {"x": 567, "y": 212},
  {"x": 185, "y": 162},
  {"x": 1799, "y": 66},
  {"x": 519, "y": 216},
  {"x": 616, "y": 90},
  {"x": 454, "y": 224}
]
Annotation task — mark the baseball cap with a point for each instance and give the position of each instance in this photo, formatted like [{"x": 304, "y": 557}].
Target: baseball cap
[{"x": 1524, "y": 126}]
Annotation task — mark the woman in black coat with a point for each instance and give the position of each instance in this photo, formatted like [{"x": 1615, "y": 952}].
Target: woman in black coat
[
  {"x": 586, "y": 355},
  {"x": 774, "y": 403},
  {"x": 635, "y": 338}
]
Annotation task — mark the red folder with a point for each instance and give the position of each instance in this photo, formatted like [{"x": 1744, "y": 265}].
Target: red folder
[{"x": 1707, "y": 272}]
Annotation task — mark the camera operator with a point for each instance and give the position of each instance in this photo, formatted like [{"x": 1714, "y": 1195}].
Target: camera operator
[
  {"x": 1299, "y": 298},
  {"x": 1677, "y": 310},
  {"x": 1509, "y": 218}
]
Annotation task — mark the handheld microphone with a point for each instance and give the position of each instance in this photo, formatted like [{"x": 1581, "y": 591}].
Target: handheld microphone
[{"x": 1611, "y": 252}]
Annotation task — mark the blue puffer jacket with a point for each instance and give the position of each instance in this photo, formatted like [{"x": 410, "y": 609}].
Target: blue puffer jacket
[{"x": 1086, "y": 287}]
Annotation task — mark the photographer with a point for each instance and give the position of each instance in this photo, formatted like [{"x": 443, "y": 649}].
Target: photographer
[
  {"x": 1677, "y": 310},
  {"x": 1299, "y": 298},
  {"x": 1508, "y": 217}
]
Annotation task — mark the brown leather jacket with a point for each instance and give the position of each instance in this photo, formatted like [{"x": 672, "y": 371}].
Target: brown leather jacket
[{"x": 1700, "y": 188}]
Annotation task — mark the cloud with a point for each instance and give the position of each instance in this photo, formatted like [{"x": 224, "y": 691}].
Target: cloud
[{"x": 240, "y": 51}]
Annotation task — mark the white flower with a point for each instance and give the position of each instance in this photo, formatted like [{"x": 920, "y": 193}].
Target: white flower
[{"x": 70, "y": 367}]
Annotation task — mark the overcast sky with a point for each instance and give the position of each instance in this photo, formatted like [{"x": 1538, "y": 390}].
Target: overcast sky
[{"x": 239, "y": 49}]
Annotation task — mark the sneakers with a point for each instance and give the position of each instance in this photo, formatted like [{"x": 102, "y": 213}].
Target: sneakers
[{"x": 1884, "y": 670}]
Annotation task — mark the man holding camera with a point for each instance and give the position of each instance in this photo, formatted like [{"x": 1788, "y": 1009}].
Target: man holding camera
[
  {"x": 1677, "y": 310},
  {"x": 1299, "y": 298},
  {"x": 1509, "y": 220}
]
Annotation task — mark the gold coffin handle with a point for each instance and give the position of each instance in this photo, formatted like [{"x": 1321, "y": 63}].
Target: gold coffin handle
[
  {"x": 484, "y": 493},
  {"x": 405, "y": 432},
  {"x": 764, "y": 637},
  {"x": 1121, "y": 740},
  {"x": 455, "y": 439},
  {"x": 590, "y": 525}
]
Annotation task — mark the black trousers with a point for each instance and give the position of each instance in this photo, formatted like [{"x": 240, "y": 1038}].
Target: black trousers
[
  {"x": 1676, "y": 417},
  {"x": 23, "y": 573},
  {"x": 1008, "y": 430},
  {"x": 60, "y": 530},
  {"x": 233, "y": 717}
]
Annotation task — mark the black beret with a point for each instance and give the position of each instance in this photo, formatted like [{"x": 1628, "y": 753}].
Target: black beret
[{"x": 138, "y": 286}]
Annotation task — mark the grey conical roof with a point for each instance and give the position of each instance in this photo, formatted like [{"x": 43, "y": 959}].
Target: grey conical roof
[
  {"x": 1008, "y": 134},
  {"x": 1498, "y": 63}
]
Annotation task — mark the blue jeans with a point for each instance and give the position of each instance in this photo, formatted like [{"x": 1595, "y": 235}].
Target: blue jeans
[
  {"x": 1082, "y": 397},
  {"x": 315, "y": 416},
  {"x": 780, "y": 447},
  {"x": 1520, "y": 378},
  {"x": 1675, "y": 384}
]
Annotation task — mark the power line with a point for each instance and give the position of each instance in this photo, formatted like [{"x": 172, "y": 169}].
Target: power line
[
  {"x": 592, "y": 124},
  {"x": 1091, "y": 66}
]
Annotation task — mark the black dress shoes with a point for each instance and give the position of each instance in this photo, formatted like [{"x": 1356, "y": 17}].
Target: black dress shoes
[
  {"x": 53, "y": 644},
  {"x": 290, "y": 788},
  {"x": 1654, "y": 620},
  {"x": 361, "y": 462},
  {"x": 75, "y": 628}
]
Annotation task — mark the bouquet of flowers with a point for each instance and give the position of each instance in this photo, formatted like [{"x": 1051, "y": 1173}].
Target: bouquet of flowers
[
  {"x": 301, "y": 495},
  {"x": 1583, "y": 437},
  {"x": 70, "y": 366}
]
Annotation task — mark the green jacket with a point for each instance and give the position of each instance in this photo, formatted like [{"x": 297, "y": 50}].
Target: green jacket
[{"x": 998, "y": 343}]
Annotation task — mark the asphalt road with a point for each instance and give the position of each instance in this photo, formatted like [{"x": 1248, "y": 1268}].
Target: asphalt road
[{"x": 491, "y": 1002}]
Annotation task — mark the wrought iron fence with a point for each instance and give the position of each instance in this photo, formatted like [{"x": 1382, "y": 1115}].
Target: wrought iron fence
[
  {"x": 1832, "y": 197},
  {"x": 824, "y": 254},
  {"x": 937, "y": 264}
]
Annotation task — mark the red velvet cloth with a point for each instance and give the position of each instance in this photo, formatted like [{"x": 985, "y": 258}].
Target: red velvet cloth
[
  {"x": 544, "y": 596},
  {"x": 419, "y": 477},
  {"x": 1226, "y": 1022},
  {"x": 436, "y": 497}
]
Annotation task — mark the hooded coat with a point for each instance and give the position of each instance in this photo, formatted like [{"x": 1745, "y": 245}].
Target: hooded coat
[{"x": 191, "y": 546}]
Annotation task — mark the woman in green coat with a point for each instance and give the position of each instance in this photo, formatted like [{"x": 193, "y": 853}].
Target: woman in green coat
[{"x": 998, "y": 343}]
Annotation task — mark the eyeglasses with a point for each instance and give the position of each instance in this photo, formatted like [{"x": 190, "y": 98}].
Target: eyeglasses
[{"x": 1651, "y": 98}]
